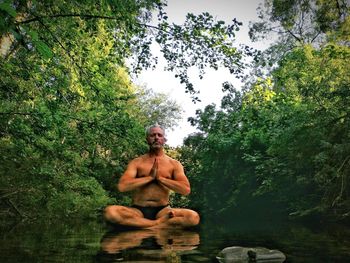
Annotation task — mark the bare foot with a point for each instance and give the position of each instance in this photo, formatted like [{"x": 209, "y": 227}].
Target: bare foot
[
  {"x": 163, "y": 222},
  {"x": 160, "y": 222}
]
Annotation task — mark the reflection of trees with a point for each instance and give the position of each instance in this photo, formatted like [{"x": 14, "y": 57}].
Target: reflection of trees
[{"x": 161, "y": 245}]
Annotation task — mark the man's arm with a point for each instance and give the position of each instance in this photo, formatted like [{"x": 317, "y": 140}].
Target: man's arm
[
  {"x": 179, "y": 183},
  {"x": 129, "y": 181}
]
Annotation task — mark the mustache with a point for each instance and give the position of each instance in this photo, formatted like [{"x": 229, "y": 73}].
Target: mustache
[{"x": 157, "y": 142}]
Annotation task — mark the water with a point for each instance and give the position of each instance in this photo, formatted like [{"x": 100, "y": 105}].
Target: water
[{"x": 93, "y": 241}]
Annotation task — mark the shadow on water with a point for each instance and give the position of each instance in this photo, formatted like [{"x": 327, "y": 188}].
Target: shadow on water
[{"x": 92, "y": 241}]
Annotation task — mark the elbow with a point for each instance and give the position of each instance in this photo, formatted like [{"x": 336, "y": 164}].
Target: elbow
[
  {"x": 187, "y": 191},
  {"x": 121, "y": 188}
]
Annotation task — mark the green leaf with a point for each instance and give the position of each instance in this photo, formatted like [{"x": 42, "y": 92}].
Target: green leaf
[
  {"x": 8, "y": 9},
  {"x": 16, "y": 34},
  {"x": 43, "y": 49},
  {"x": 33, "y": 34}
]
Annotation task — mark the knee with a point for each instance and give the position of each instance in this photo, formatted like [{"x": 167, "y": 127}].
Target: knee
[
  {"x": 110, "y": 212},
  {"x": 195, "y": 218},
  {"x": 107, "y": 212}
]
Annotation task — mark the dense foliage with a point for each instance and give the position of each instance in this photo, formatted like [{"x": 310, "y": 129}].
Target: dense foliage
[
  {"x": 70, "y": 117},
  {"x": 283, "y": 143}
]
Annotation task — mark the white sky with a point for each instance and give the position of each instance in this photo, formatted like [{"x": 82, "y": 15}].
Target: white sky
[{"x": 210, "y": 86}]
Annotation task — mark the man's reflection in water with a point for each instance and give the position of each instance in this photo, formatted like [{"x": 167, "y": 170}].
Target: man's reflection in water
[{"x": 154, "y": 245}]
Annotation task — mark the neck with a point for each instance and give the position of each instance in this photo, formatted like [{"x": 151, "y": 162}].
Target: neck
[{"x": 156, "y": 152}]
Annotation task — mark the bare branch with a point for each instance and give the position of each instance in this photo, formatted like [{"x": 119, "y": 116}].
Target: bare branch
[{"x": 293, "y": 35}]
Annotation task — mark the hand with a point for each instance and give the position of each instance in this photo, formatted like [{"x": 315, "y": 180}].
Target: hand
[{"x": 154, "y": 170}]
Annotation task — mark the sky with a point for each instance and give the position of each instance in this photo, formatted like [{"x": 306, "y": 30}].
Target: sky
[{"x": 210, "y": 86}]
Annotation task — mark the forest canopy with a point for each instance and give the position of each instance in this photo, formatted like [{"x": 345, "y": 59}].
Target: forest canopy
[
  {"x": 71, "y": 118},
  {"x": 281, "y": 145}
]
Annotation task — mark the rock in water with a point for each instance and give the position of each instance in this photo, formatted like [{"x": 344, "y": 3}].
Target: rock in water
[{"x": 246, "y": 254}]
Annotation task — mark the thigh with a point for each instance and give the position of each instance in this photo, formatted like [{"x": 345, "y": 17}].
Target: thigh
[
  {"x": 186, "y": 217},
  {"x": 184, "y": 212},
  {"x": 123, "y": 211}
]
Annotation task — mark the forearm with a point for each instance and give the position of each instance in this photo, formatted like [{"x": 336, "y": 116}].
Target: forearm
[
  {"x": 126, "y": 186},
  {"x": 176, "y": 186}
]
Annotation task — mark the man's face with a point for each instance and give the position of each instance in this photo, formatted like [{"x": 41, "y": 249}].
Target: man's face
[{"x": 156, "y": 138}]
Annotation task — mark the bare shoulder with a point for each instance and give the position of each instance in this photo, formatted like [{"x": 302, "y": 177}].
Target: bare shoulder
[
  {"x": 174, "y": 162},
  {"x": 137, "y": 161},
  {"x": 139, "y": 158}
]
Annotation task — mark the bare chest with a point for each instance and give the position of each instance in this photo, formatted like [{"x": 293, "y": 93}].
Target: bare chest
[{"x": 163, "y": 169}]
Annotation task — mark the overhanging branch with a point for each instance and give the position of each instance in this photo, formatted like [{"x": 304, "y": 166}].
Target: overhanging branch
[{"x": 85, "y": 16}]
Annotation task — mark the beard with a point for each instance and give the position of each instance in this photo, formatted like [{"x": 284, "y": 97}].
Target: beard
[{"x": 156, "y": 145}]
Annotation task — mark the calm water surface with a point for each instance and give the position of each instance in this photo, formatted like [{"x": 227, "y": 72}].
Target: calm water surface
[{"x": 93, "y": 241}]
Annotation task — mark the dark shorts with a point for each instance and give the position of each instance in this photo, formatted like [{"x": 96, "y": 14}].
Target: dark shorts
[{"x": 149, "y": 212}]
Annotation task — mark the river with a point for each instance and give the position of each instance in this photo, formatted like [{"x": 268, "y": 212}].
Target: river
[{"x": 93, "y": 241}]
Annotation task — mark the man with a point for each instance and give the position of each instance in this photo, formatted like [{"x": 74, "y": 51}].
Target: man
[{"x": 151, "y": 177}]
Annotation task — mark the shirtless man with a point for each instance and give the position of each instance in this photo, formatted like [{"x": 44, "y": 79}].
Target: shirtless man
[{"x": 151, "y": 177}]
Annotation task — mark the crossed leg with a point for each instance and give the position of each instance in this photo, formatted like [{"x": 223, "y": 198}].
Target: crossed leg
[
  {"x": 129, "y": 216},
  {"x": 178, "y": 217}
]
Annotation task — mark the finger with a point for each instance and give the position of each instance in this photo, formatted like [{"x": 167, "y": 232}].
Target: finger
[{"x": 154, "y": 169}]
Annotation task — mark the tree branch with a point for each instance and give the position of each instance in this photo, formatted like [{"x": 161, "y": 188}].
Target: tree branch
[
  {"x": 293, "y": 35},
  {"x": 86, "y": 16}
]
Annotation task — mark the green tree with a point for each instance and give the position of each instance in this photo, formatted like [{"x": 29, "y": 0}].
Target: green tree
[
  {"x": 294, "y": 23},
  {"x": 158, "y": 108},
  {"x": 69, "y": 112},
  {"x": 320, "y": 122},
  {"x": 283, "y": 141}
]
